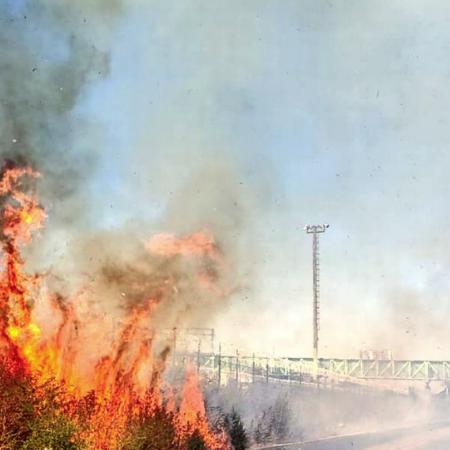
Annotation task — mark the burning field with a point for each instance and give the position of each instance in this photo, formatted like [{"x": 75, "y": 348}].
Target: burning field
[
  {"x": 71, "y": 377},
  {"x": 86, "y": 307}
]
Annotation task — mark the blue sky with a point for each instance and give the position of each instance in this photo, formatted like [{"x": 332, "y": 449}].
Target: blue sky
[{"x": 329, "y": 111}]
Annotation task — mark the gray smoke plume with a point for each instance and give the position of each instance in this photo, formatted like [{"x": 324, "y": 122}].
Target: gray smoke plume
[{"x": 51, "y": 53}]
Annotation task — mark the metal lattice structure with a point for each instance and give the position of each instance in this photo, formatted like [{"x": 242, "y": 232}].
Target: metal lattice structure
[
  {"x": 244, "y": 369},
  {"x": 315, "y": 230},
  {"x": 197, "y": 346},
  {"x": 389, "y": 369}
]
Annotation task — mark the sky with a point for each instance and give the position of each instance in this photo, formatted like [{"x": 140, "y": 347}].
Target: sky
[{"x": 319, "y": 112}]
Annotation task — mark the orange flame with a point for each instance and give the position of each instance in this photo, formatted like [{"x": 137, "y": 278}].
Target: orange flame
[
  {"x": 127, "y": 375},
  {"x": 199, "y": 244},
  {"x": 192, "y": 416}
]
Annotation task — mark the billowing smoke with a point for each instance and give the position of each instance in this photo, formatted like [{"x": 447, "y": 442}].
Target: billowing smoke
[
  {"x": 53, "y": 54},
  {"x": 50, "y": 54}
]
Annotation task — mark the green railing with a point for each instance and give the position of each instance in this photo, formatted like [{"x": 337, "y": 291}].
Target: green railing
[
  {"x": 256, "y": 368},
  {"x": 390, "y": 370}
]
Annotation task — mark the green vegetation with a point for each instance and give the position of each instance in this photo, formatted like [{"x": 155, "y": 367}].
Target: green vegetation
[
  {"x": 150, "y": 432},
  {"x": 46, "y": 416},
  {"x": 36, "y": 417},
  {"x": 236, "y": 431},
  {"x": 273, "y": 425}
]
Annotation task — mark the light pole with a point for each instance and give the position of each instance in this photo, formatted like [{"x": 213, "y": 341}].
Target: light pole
[{"x": 315, "y": 230}]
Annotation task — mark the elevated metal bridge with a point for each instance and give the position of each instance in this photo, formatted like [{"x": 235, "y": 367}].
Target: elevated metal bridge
[
  {"x": 246, "y": 369},
  {"x": 223, "y": 364},
  {"x": 388, "y": 369}
]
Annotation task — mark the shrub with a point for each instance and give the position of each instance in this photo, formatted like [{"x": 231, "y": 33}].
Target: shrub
[
  {"x": 151, "y": 431},
  {"x": 195, "y": 442},
  {"x": 236, "y": 431},
  {"x": 34, "y": 416},
  {"x": 16, "y": 406},
  {"x": 273, "y": 425}
]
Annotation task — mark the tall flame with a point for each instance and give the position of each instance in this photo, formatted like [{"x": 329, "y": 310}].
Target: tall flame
[{"x": 127, "y": 374}]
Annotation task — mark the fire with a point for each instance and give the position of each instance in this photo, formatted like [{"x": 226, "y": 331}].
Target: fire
[
  {"x": 44, "y": 333},
  {"x": 199, "y": 244},
  {"x": 193, "y": 413}
]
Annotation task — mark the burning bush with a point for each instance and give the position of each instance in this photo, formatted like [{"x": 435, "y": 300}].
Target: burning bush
[
  {"x": 37, "y": 415},
  {"x": 58, "y": 390}
]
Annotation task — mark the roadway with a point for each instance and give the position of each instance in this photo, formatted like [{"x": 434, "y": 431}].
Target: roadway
[
  {"x": 424, "y": 440},
  {"x": 424, "y": 437}
]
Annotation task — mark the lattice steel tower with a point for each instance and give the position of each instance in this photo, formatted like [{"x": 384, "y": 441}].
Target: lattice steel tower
[{"x": 315, "y": 230}]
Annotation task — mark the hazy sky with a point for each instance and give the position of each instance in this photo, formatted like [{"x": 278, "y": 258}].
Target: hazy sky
[{"x": 331, "y": 111}]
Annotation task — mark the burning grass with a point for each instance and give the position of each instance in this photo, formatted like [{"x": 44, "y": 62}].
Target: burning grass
[{"x": 50, "y": 396}]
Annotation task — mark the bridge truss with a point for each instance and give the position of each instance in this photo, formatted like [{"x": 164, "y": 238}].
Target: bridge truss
[
  {"x": 254, "y": 368},
  {"x": 390, "y": 370}
]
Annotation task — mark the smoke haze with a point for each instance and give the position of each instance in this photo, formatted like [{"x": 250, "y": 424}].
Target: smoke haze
[{"x": 249, "y": 120}]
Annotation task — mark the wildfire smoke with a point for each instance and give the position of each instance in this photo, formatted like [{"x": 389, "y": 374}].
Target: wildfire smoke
[{"x": 39, "y": 330}]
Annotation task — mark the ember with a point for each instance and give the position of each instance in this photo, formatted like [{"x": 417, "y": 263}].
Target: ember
[{"x": 123, "y": 384}]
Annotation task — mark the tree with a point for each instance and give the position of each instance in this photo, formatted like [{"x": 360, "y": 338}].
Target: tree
[
  {"x": 281, "y": 418},
  {"x": 236, "y": 431},
  {"x": 273, "y": 425},
  {"x": 257, "y": 432},
  {"x": 195, "y": 442}
]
